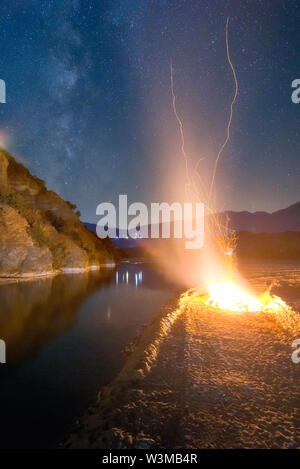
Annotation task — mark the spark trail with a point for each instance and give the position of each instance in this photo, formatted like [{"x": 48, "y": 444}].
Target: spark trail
[
  {"x": 195, "y": 187},
  {"x": 180, "y": 124},
  {"x": 230, "y": 115}
]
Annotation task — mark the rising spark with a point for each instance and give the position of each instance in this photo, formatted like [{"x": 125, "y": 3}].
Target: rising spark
[
  {"x": 195, "y": 187},
  {"x": 180, "y": 124},
  {"x": 231, "y": 112}
]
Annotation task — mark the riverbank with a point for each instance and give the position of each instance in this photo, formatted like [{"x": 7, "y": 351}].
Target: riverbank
[
  {"x": 66, "y": 271},
  {"x": 201, "y": 378}
]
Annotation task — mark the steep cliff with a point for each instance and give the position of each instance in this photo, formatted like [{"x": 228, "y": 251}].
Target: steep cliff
[{"x": 40, "y": 233}]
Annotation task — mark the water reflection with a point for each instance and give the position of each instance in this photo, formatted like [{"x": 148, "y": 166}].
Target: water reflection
[
  {"x": 127, "y": 278},
  {"x": 65, "y": 337},
  {"x": 34, "y": 312}
]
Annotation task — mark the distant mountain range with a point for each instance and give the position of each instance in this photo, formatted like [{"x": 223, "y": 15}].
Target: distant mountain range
[{"x": 287, "y": 219}]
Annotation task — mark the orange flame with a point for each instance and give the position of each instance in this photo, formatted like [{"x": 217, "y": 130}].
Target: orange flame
[{"x": 228, "y": 296}]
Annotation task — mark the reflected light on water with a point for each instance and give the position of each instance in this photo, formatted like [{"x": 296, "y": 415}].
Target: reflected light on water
[{"x": 127, "y": 278}]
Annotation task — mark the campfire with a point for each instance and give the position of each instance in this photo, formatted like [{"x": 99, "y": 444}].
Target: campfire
[{"x": 228, "y": 296}]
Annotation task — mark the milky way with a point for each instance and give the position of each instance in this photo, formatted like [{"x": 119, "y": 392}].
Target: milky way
[{"x": 88, "y": 95}]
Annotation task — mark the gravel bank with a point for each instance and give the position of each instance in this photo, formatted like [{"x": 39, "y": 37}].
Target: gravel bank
[{"x": 201, "y": 378}]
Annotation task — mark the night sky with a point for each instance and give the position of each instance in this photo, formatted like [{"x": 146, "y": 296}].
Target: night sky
[{"x": 89, "y": 106}]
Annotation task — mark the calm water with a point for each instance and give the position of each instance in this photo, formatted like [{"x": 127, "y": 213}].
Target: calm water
[{"x": 65, "y": 337}]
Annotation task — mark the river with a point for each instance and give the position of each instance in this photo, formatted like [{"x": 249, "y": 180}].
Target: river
[{"x": 65, "y": 337}]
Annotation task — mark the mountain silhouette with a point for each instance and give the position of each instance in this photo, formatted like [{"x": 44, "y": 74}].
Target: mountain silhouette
[{"x": 287, "y": 219}]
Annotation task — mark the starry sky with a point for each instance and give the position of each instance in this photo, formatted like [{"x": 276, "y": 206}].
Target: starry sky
[{"x": 89, "y": 105}]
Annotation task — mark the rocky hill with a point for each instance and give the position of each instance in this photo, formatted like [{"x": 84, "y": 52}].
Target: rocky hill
[{"x": 40, "y": 233}]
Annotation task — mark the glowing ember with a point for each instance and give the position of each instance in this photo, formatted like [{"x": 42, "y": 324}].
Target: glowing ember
[{"x": 228, "y": 296}]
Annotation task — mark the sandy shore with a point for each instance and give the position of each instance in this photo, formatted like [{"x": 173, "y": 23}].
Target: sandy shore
[{"x": 201, "y": 378}]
